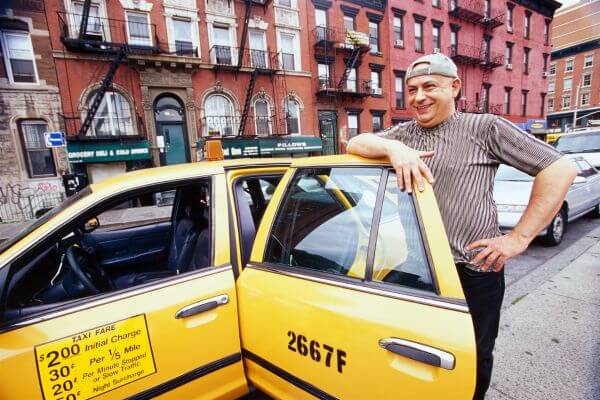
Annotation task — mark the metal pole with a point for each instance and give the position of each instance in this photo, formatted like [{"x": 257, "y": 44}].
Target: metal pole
[{"x": 576, "y": 106}]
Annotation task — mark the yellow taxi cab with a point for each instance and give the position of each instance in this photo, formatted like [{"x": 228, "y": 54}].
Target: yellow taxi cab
[{"x": 304, "y": 278}]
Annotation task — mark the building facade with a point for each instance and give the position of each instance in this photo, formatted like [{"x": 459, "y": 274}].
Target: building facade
[
  {"x": 502, "y": 50},
  {"x": 574, "y": 75},
  {"x": 181, "y": 72},
  {"x": 30, "y": 173}
]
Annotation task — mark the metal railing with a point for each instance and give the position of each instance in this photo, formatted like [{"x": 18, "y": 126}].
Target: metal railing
[
  {"x": 467, "y": 10},
  {"x": 227, "y": 125},
  {"x": 106, "y": 31},
  {"x": 465, "y": 53},
  {"x": 17, "y": 206},
  {"x": 492, "y": 59},
  {"x": 251, "y": 58},
  {"x": 348, "y": 39},
  {"x": 358, "y": 87}
]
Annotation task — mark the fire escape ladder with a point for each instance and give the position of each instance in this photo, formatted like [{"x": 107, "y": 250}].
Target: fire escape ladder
[
  {"x": 356, "y": 52},
  {"x": 85, "y": 13},
  {"x": 244, "y": 33},
  {"x": 281, "y": 91},
  {"x": 249, "y": 92},
  {"x": 106, "y": 83}
]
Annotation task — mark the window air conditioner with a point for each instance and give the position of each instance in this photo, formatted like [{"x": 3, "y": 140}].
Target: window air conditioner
[
  {"x": 376, "y": 90},
  {"x": 508, "y": 66},
  {"x": 545, "y": 74},
  {"x": 436, "y": 50},
  {"x": 400, "y": 42}
]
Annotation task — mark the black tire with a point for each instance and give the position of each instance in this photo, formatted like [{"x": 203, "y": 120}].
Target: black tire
[{"x": 556, "y": 229}]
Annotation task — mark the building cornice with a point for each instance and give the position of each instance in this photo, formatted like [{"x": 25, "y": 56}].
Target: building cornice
[
  {"x": 544, "y": 7},
  {"x": 373, "y": 4},
  {"x": 575, "y": 49},
  {"x": 324, "y": 4}
]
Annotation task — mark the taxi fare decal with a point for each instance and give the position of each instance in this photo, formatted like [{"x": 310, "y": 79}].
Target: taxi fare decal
[{"x": 96, "y": 361}]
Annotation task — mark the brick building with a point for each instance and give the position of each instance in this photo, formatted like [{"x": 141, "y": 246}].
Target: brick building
[
  {"x": 182, "y": 71},
  {"x": 30, "y": 173},
  {"x": 574, "y": 76},
  {"x": 501, "y": 48}
]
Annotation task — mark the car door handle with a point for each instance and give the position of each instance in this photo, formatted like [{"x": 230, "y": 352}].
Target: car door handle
[
  {"x": 419, "y": 352},
  {"x": 202, "y": 306}
]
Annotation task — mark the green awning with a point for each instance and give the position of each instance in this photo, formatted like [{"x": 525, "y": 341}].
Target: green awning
[
  {"x": 99, "y": 152},
  {"x": 268, "y": 146}
]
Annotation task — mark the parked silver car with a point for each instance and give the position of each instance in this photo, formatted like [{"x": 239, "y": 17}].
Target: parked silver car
[
  {"x": 512, "y": 189},
  {"x": 582, "y": 143}
]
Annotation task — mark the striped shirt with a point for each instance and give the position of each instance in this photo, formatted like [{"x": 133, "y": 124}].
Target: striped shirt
[{"x": 468, "y": 149}]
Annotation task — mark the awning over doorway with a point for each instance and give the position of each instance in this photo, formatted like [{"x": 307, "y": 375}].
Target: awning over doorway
[
  {"x": 100, "y": 152},
  {"x": 268, "y": 146}
]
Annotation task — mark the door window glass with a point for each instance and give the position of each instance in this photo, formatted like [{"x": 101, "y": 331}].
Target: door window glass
[
  {"x": 400, "y": 257},
  {"x": 142, "y": 238},
  {"x": 325, "y": 221}
]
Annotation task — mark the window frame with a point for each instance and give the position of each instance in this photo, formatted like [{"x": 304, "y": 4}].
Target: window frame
[
  {"x": 112, "y": 115},
  {"x": 570, "y": 62},
  {"x": 419, "y": 45},
  {"x": 510, "y": 17},
  {"x": 552, "y": 70},
  {"x": 527, "y": 25},
  {"x": 562, "y": 104},
  {"x": 550, "y": 104},
  {"x": 287, "y": 126},
  {"x": 374, "y": 40},
  {"x": 398, "y": 30},
  {"x": 83, "y": 215},
  {"x": 565, "y": 80},
  {"x": 367, "y": 282},
  {"x": 583, "y": 80},
  {"x": 400, "y": 76},
  {"x": 507, "y": 96},
  {"x": 524, "y": 95},
  {"x": 357, "y": 116},
  {"x": 6, "y": 57},
  {"x": 148, "y": 25},
  {"x": 584, "y": 95},
  {"x": 268, "y": 117},
  {"x": 26, "y": 150},
  {"x": 585, "y": 61},
  {"x": 436, "y": 40}
]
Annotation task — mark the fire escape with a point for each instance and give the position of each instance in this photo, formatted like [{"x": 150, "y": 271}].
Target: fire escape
[
  {"x": 329, "y": 45},
  {"x": 254, "y": 63},
  {"x": 478, "y": 12},
  {"x": 91, "y": 34}
]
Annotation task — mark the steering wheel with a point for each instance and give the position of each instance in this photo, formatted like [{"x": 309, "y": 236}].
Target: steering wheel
[{"x": 91, "y": 276}]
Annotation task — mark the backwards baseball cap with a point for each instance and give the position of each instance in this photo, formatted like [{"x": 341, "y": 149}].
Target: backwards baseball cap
[{"x": 432, "y": 64}]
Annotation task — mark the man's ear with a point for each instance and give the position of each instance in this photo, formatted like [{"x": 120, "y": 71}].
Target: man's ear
[{"x": 456, "y": 86}]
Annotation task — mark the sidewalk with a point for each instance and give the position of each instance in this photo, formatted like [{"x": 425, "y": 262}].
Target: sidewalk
[{"x": 549, "y": 341}]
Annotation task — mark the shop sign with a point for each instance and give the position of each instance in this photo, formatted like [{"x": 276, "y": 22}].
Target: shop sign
[
  {"x": 98, "y": 152},
  {"x": 268, "y": 146}
]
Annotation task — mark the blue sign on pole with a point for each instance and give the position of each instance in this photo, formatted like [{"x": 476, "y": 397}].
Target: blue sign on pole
[{"x": 55, "y": 139}]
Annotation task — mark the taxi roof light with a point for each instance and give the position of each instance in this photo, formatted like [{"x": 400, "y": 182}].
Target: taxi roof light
[{"x": 213, "y": 150}]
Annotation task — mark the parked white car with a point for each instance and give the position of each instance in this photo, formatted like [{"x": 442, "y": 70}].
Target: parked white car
[
  {"x": 512, "y": 189},
  {"x": 584, "y": 143}
]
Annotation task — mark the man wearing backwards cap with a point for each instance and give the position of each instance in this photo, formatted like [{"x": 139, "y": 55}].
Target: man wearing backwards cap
[{"x": 462, "y": 152}]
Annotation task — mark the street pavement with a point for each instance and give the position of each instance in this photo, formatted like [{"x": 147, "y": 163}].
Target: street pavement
[{"x": 549, "y": 341}]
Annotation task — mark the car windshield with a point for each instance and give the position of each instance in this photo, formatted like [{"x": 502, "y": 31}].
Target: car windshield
[
  {"x": 34, "y": 224},
  {"x": 586, "y": 143},
  {"x": 506, "y": 173}
]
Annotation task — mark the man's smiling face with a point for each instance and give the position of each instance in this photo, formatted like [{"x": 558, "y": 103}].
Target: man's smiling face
[{"x": 431, "y": 98}]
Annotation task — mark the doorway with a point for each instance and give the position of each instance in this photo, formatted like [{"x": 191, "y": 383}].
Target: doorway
[
  {"x": 328, "y": 131},
  {"x": 171, "y": 132}
]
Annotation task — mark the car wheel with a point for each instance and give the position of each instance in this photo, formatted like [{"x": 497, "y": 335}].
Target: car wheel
[{"x": 556, "y": 229}]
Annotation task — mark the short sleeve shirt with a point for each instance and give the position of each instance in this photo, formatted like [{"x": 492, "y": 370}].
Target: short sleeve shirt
[{"x": 468, "y": 150}]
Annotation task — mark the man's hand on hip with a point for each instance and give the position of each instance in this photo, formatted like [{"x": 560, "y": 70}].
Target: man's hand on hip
[
  {"x": 409, "y": 165},
  {"x": 495, "y": 251}
]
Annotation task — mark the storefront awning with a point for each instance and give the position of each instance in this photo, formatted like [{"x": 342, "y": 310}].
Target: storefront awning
[
  {"x": 268, "y": 146},
  {"x": 100, "y": 152}
]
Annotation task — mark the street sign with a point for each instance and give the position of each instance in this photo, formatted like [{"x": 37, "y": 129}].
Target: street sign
[{"x": 55, "y": 139}]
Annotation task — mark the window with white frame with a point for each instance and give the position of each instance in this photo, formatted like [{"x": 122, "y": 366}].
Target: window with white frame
[
  {"x": 323, "y": 71},
  {"x": 551, "y": 104},
  {"x": 292, "y": 117},
  {"x": 94, "y": 24},
  {"x": 567, "y": 83},
  {"x": 138, "y": 28},
  {"x": 551, "y": 86},
  {"x": 349, "y": 23},
  {"x": 351, "y": 83},
  {"x": 436, "y": 3},
  {"x": 509, "y": 17},
  {"x": 262, "y": 117},
  {"x": 435, "y": 36},
  {"x": 566, "y": 102},
  {"x": 508, "y": 55},
  {"x": 39, "y": 158},
  {"x": 182, "y": 37},
  {"x": 19, "y": 59},
  {"x": 219, "y": 116},
  {"x": 419, "y": 36},
  {"x": 288, "y": 51},
  {"x": 587, "y": 80},
  {"x": 258, "y": 49},
  {"x": 398, "y": 34},
  {"x": 399, "y": 81},
  {"x": 222, "y": 45},
  {"x": 527, "y": 25},
  {"x": 585, "y": 99},
  {"x": 374, "y": 37},
  {"x": 285, "y": 3},
  {"x": 588, "y": 61},
  {"x": 352, "y": 125},
  {"x": 113, "y": 117},
  {"x": 376, "y": 82},
  {"x": 552, "y": 68},
  {"x": 569, "y": 65},
  {"x": 377, "y": 122}
]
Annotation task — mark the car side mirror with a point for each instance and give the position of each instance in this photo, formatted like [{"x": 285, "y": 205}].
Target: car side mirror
[
  {"x": 580, "y": 179},
  {"x": 91, "y": 225}
]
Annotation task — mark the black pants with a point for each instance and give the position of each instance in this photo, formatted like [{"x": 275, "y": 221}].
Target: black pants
[{"x": 484, "y": 292}]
